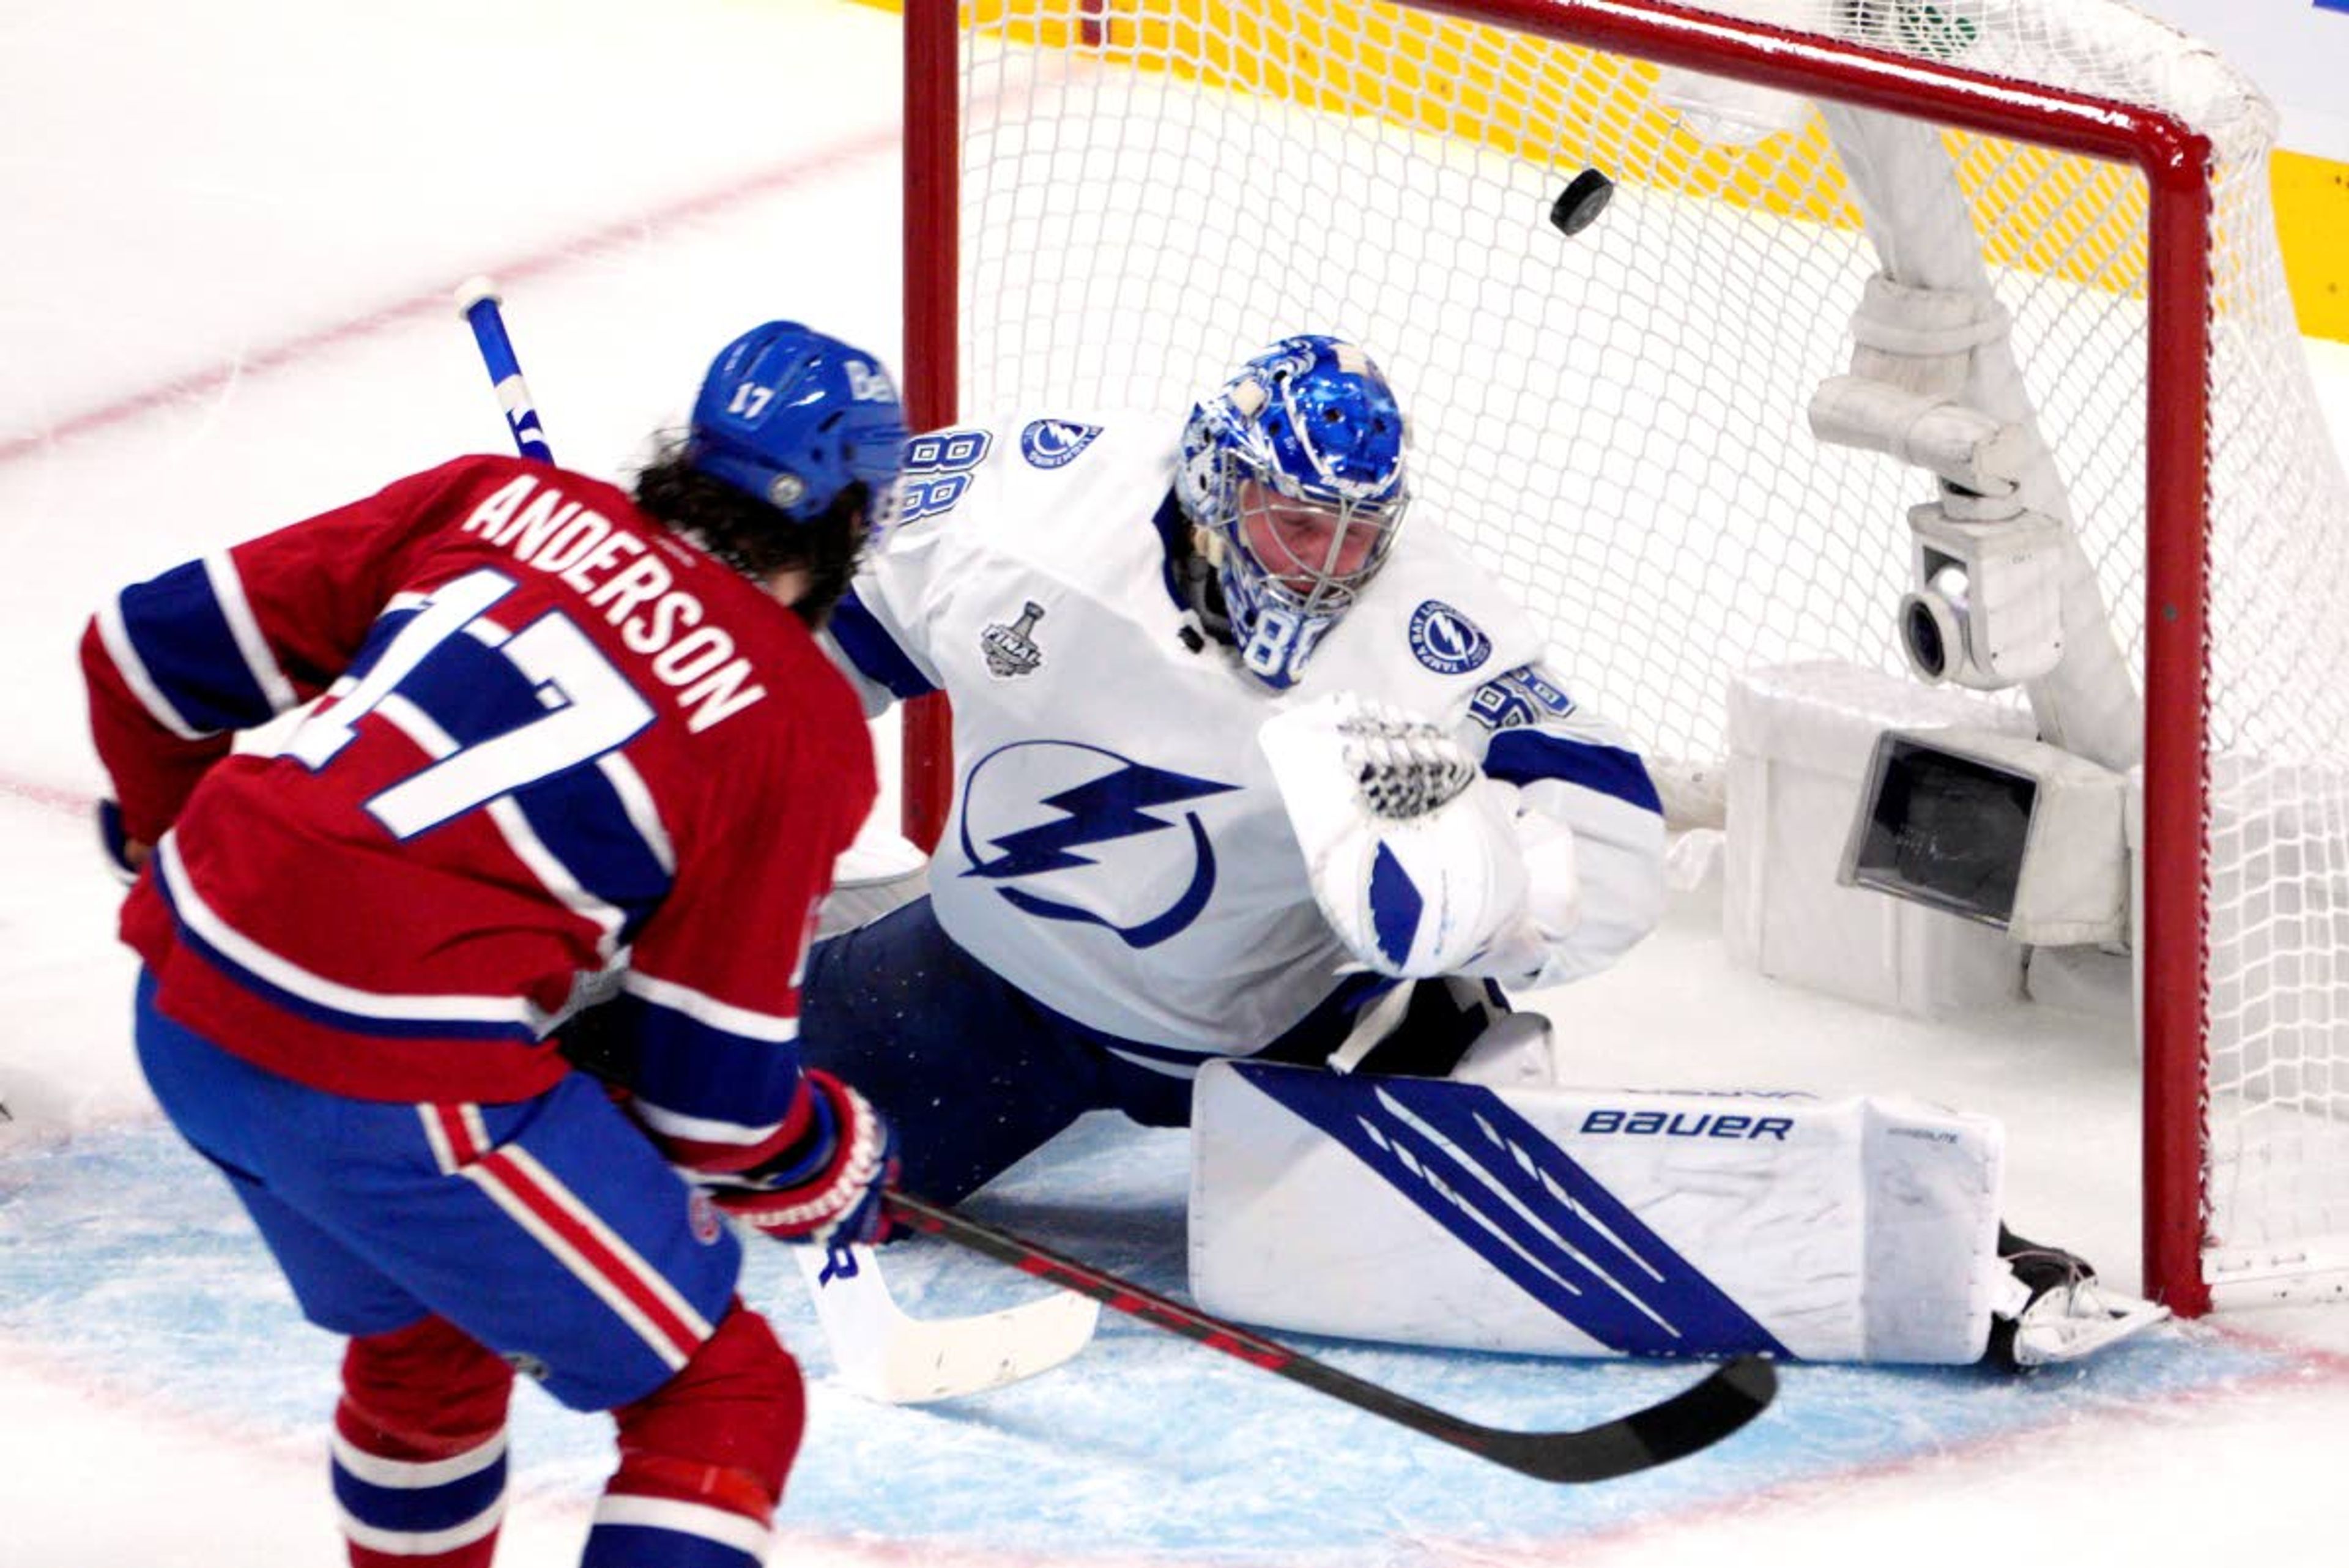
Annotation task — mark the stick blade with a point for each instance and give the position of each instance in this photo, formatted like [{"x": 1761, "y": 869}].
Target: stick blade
[
  {"x": 1696, "y": 1418},
  {"x": 985, "y": 1353},
  {"x": 883, "y": 1355}
]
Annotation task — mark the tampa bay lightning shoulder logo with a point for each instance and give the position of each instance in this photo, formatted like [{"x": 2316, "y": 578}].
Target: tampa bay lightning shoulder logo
[
  {"x": 1447, "y": 641},
  {"x": 1052, "y": 444},
  {"x": 1029, "y": 808}
]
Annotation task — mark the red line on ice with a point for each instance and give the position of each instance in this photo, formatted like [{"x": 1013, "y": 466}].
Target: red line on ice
[
  {"x": 72, "y": 800},
  {"x": 439, "y": 301},
  {"x": 2306, "y": 1367}
]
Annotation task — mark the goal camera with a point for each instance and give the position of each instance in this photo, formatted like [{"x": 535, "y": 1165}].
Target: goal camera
[
  {"x": 1993, "y": 828},
  {"x": 1987, "y": 610}
]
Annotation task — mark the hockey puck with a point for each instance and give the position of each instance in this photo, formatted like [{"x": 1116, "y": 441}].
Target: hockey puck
[{"x": 1578, "y": 205}]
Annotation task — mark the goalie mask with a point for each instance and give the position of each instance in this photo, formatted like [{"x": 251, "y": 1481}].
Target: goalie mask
[{"x": 1294, "y": 472}]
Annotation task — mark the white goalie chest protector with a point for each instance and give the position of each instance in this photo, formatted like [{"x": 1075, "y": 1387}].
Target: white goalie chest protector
[
  {"x": 1571, "y": 1221},
  {"x": 1116, "y": 847}
]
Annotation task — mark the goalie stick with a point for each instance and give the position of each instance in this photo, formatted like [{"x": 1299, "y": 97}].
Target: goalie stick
[
  {"x": 1694, "y": 1418},
  {"x": 878, "y": 1350}
]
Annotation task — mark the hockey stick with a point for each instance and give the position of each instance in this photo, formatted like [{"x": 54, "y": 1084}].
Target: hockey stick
[
  {"x": 880, "y": 1352},
  {"x": 1694, "y": 1418},
  {"x": 477, "y": 302},
  {"x": 883, "y": 1355}
]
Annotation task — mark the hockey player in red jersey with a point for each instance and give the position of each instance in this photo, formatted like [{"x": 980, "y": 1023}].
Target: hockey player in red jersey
[{"x": 569, "y": 743}]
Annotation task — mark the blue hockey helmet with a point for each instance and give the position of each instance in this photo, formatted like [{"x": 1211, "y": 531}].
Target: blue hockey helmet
[
  {"x": 794, "y": 417},
  {"x": 1308, "y": 426}
]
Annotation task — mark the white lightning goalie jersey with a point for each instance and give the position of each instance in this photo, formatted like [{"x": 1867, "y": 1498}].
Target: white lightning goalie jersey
[{"x": 1117, "y": 847}]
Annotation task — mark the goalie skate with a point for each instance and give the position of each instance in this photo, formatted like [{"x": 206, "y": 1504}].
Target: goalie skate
[{"x": 2059, "y": 1310}]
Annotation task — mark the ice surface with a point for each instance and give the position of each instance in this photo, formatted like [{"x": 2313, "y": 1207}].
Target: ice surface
[{"x": 232, "y": 229}]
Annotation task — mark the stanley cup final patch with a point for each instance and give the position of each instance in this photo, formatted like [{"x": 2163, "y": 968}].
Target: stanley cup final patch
[{"x": 1010, "y": 650}]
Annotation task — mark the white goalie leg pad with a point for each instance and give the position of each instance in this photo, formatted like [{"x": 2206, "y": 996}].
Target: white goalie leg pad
[
  {"x": 1570, "y": 1222},
  {"x": 1413, "y": 853}
]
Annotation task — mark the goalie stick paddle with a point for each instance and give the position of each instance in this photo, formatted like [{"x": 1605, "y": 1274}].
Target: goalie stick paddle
[{"x": 1694, "y": 1418}]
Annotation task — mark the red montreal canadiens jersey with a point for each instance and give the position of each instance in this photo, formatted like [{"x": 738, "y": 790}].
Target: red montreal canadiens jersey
[{"x": 557, "y": 745}]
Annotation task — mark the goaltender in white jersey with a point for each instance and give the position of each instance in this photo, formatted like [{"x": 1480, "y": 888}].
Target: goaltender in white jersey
[
  {"x": 1246, "y": 769},
  {"x": 1153, "y": 710},
  {"x": 1118, "y": 849}
]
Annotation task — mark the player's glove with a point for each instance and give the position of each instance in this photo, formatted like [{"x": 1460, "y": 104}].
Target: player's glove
[
  {"x": 827, "y": 1187},
  {"x": 124, "y": 854},
  {"x": 1413, "y": 854}
]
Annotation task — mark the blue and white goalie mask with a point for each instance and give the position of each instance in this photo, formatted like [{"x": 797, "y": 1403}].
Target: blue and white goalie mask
[{"x": 1294, "y": 470}]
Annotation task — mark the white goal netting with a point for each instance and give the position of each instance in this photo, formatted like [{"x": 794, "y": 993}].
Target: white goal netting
[{"x": 1152, "y": 189}]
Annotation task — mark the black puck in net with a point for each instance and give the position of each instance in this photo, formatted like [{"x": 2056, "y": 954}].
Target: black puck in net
[{"x": 1578, "y": 205}]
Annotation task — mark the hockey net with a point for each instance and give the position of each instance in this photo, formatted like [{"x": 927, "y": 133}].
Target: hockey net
[{"x": 1146, "y": 191}]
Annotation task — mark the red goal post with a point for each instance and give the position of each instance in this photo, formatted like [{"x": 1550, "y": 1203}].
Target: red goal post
[{"x": 1049, "y": 149}]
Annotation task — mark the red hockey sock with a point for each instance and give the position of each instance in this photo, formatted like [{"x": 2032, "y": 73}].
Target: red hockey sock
[
  {"x": 420, "y": 1463},
  {"x": 702, "y": 1458}
]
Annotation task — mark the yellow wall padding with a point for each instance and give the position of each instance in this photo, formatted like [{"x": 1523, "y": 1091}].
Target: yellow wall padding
[{"x": 1433, "y": 73}]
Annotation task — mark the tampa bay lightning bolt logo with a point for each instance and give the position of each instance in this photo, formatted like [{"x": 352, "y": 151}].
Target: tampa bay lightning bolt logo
[
  {"x": 1447, "y": 641},
  {"x": 1051, "y": 444},
  {"x": 1035, "y": 804}
]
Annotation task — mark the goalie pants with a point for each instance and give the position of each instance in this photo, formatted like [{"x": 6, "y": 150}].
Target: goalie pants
[
  {"x": 976, "y": 1075},
  {"x": 457, "y": 1243}
]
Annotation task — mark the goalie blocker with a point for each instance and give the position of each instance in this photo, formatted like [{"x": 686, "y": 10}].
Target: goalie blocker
[{"x": 1570, "y": 1222}]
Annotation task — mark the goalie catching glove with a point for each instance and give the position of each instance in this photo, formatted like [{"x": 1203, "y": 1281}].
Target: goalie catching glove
[
  {"x": 1414, "y": 855},
  {"x": 827, "y": 1187}
]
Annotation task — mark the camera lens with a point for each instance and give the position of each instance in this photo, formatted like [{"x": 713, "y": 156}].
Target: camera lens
[{"x": 1920, "y": 630}]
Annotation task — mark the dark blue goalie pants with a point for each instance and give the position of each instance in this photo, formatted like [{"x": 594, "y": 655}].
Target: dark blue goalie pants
[{"x": 976, "y": 1075}]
